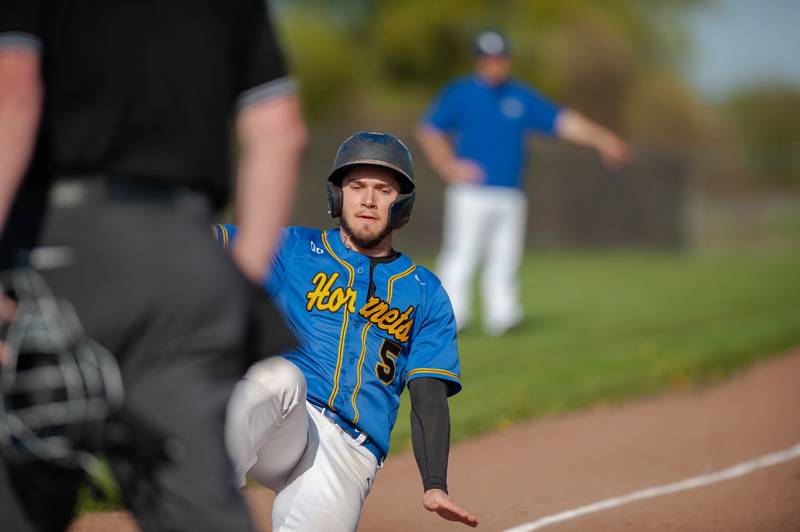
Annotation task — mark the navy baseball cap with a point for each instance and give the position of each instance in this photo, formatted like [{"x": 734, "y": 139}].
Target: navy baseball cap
[{"x": 490, "y": 42}]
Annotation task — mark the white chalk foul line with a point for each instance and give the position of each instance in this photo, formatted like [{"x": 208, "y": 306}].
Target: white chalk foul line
[{"x": 656, "y": 491}]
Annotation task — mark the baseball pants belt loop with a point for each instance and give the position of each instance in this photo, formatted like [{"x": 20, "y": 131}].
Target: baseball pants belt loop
[{"x": 351, "y": 430}]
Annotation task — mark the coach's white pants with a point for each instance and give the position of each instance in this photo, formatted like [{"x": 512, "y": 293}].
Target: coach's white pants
[
  {"x": 320, "y": 474},
  {"x": 482, "y": 222}
]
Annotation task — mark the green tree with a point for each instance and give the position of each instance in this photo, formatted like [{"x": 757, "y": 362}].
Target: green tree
[
  {"x": 767, "y": 124},
  {"x": 584, "y": 53}
]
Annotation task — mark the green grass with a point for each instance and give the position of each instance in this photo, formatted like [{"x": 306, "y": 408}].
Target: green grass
[{"x": 606, "y": 326}]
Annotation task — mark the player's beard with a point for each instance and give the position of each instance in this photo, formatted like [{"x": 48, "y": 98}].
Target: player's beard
[{"x": 365, "y": 239}]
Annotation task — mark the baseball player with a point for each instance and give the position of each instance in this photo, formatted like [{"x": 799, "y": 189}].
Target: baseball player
[
  {"x": 314, "y": 424},
  {"x": 489, "y": 116}
]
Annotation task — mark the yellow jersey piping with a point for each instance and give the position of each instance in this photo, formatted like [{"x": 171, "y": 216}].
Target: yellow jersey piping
[{"x": 340, "y": 354}]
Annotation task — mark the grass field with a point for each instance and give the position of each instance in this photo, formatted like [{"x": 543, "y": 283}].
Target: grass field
[{"x": 606, "y": 326}]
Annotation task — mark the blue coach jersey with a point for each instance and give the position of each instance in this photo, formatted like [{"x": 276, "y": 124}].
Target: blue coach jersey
[
  {"x": 490, "y": 124},
  {"x": 359, "y": 350}
]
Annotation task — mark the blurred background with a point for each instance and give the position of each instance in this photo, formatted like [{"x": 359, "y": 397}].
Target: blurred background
[{"x": 708, "y": 91}]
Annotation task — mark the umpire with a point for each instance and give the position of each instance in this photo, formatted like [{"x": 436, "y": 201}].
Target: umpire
[{"x": 115, "y": 150}]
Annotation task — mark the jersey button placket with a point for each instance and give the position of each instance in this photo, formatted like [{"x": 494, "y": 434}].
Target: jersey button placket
[
  {"x": 356, "y": 320},
  {"x": 353, "y": 335}
]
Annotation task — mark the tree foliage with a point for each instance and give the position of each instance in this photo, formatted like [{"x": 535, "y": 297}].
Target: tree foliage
[
  {"x": 376, "y": 62},
  {"x": 767, "y": 124},
  {"x": 581, "y": 52}
]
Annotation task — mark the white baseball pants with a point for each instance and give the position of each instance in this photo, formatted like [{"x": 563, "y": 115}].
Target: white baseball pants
[
  {"x": 321, "y": 475},
  {"x": 482, "y": 222}
]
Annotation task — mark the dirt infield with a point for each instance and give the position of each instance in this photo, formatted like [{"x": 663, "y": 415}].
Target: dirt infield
[{"x": 561, "y": 463}]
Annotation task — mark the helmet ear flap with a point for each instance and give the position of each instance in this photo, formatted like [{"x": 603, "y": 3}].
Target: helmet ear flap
[
  {"x": 334, "y": 199},
  {"x": 400, "y": 209}
]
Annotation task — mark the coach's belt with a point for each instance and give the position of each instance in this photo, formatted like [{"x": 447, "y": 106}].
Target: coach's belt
[{"x": 352, "y": 431}]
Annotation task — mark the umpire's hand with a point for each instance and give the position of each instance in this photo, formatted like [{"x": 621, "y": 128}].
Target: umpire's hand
[{"x": 436, "y": 500}]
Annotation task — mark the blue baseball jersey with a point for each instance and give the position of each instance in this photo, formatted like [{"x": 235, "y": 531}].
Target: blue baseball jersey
[
  {"x": 490, "y": 124},
  {"x": 360, "y": 349}
]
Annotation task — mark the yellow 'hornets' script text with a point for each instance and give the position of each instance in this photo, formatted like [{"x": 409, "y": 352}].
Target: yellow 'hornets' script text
[
  {"x": 388, "y": 319},
  {"x": 323, "y": 297}
]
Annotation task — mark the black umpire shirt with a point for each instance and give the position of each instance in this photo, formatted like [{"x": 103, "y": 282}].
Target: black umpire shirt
[{"x": 145, "y": 90}]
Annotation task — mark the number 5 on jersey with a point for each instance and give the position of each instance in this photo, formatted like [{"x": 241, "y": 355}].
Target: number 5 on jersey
[{"x": 385, "y": 369}]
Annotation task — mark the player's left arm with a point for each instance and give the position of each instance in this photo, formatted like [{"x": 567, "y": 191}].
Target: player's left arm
[
  {"x": 430, "y": 436},
  {"x": 432, "y": 375}
]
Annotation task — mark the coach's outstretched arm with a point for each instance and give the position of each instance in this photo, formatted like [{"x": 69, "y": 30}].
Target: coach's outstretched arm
[
  {"x": 575, "y": 127},
  {"x": 430, "y": 436},
  {"x": 20, "y": 108},
  {"x": 272, "y": 137}
]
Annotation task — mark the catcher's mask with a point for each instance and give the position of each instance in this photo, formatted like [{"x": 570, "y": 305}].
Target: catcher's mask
[
  {"x": 57, "y": 385},
  {"x": 375, "y": 149}
]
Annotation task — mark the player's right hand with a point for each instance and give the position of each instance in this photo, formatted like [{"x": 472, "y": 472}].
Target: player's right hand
[
  {"x": 463, "y": 171},
  {"x": 436, "y": 500}
]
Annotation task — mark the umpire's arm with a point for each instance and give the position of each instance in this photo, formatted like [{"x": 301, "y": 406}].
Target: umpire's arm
[
  {"x": 20, "y": 108},
  {"x": 272, "y": 136}
]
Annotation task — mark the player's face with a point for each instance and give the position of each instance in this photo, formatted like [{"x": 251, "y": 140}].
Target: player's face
[
  {"x": 495, "y": 69},
  {"x": 367, "y": 193}
]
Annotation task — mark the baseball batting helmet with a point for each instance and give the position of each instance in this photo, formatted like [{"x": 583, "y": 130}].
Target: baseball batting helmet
[
  {"x": 375, "y": 149},
  {"x": 57, "y": 386}
]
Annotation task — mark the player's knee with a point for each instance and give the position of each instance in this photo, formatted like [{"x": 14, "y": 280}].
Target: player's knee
[{"x": 279, "y": 378}]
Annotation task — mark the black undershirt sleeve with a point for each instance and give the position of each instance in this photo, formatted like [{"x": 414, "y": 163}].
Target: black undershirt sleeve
[{"x": 430, "y": 430}]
